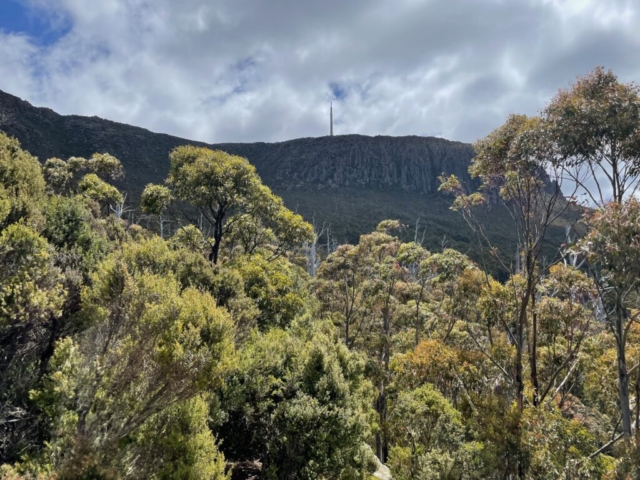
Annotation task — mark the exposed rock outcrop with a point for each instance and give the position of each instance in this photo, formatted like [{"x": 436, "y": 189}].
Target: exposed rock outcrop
[
  {"x": 382, "y": 162},
  {"x": 350, "y": 182}
]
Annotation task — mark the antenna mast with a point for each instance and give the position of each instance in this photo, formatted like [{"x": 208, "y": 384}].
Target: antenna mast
[{"x": 331, "y": 119}]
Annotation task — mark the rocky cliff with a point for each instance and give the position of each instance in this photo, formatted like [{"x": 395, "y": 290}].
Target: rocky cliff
[
  {"x": 351, "y": 182},
  {"x": 404, "y": 163}
]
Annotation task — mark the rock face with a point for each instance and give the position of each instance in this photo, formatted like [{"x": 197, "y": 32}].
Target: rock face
[
  {"x": 347, "y": 182},
  {"x": 403, "y": 163}
]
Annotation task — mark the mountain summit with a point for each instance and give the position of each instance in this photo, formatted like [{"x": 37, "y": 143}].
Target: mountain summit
[{"x": 351, "y": 182}]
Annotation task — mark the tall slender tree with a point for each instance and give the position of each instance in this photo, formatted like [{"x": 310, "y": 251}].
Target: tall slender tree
[{"x": 595, "y": 130}]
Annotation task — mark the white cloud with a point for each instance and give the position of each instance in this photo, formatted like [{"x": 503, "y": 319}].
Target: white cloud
[
  {"x": 18, "y": 60},
  {"x": 249, "y": 70}
]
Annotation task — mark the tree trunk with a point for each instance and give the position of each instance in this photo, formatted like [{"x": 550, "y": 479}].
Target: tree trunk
[
  {"x": 217, "y": 239},
  {"x": 346, "y": 333},
  {"x": 381, "y": 408},
  {"x": 533, "y": 354},
  {"x": 623, "y": 382},
  {"x": 638, "y": 408},
  {"x": 312, "y": 259},
  {"x": 382, "y": 446},
  {"x": 419, "y": 325},
  {"x": 519, "y": 348},
  {"x": 519, "y": 379},
  {"x": 48, "y": 351}
]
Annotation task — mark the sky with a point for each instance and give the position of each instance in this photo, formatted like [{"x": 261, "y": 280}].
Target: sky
[{"x": 266, "y": 70}]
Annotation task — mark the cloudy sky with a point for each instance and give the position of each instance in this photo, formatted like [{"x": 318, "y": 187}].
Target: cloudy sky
[{"x": 265, "y": 70}]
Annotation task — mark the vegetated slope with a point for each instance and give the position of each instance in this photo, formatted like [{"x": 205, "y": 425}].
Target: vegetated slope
[{"x": 350, "y": 182}]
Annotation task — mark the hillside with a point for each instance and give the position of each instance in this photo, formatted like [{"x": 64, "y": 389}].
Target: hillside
[{"x": 351, "y": 182}]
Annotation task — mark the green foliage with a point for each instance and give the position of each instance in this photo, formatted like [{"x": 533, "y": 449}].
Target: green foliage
[
  {"x": 291, "y": 230},
  {"x": 177, "y": 444},
  {"x": 301, "y": 405},
  {"x": 277, "y": 287},
  {"x": 613, "y": 242},
  {"x": 388, "y": 226},
  {"x": 31, "y": 289},
  {"x": 612, "y": 247},
  {"x": 67, "y": 221},
  {"x": 57, "y": 173},
  {"x": 5, "y": 204},
  {"x": 105, "y": 165},
  {"x": 70, "y": 227},
  {"x": 100, "y": 191},
  {"x": 189, "y": 237},
  {"x": 62, "y": 176},
  {"x": 211, "y": 178},
  {"x": 149, "y": 346},
  {"x": 506, "y": 150},
  {"x": 596, "y": 122},
  {"x": 39, "y": 293},
  {"x": 230, "y": 196},
  {"x": 155, "y": 199},
  {"x": 379, "y": 289},
  {"x": 557, "y": 447},
  {"x": 23, "y": 186},
  {"x": 151, "y": 255},
  {"x": 430, "y": 441},
  {"x": 426, "y": 432},
  {"x": 123, "y": 355}
]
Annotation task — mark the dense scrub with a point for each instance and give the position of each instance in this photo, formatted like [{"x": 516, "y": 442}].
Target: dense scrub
[{"x": 229, "y": 346}]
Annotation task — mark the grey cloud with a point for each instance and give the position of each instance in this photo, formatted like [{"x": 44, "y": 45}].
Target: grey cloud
[{"x": 251, "y": 70}]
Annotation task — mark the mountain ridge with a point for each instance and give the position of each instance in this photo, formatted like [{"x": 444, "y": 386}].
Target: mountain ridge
[
  {"x": 350, "y": 182},
  {"x": 409, "y": 162}
]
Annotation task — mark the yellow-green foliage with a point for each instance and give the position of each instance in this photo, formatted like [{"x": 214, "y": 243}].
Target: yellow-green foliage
[
  {"x": 125, "y": 355},
  {"x": 149, "y": 345},
  {"x": 276, "y": 286},
  {"x": 302, "y": 403},
  {"x": 177, "y": 444},
  {"x": 100, "y": 191},
  {"x": 31, "y": 288},
  {"x": 23, "y": 186},
  {"x": 189, "y": 237},
  {"x": 427, "y": 433},
  {"x": 232, "y": 200},
  {"x": 557, "y": 447},
  {"x": 105, "y": 165},
  {"x": 57, "y": 173},
  {"x": 155, "y": 199}
]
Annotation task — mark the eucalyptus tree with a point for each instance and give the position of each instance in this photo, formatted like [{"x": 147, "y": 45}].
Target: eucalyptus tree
[
  {"x": 613, "y": 248},
  {"x": 155, "y": 201},
  {"x": 515, "y": 165},
  {"x": 378, "y": 290},
  {"x": 229, "y": 195},
  {"x": 594, "y": 128}
]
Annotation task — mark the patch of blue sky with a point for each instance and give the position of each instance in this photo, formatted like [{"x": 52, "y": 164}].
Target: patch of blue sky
[
  {"x": 238, "y": 79},
  {"x": 338, "y": 91},
  {"x": 18, "y": 17},
  {"x": 247, "y": 63}
]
